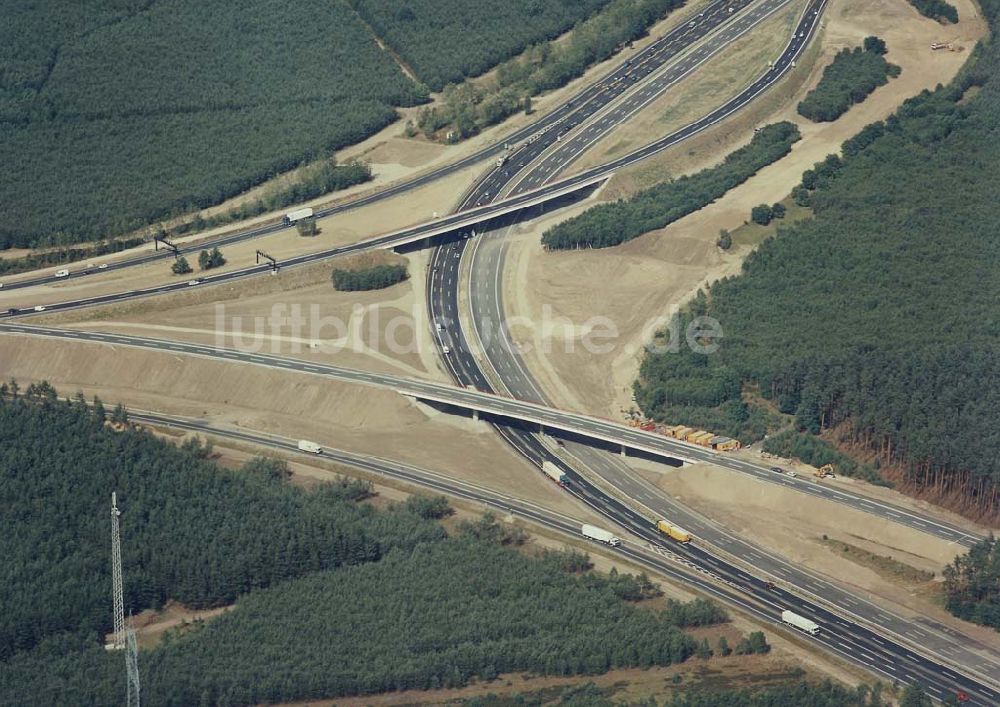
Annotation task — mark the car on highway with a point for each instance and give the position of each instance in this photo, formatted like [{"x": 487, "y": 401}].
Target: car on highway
[
  {"x": 196, "y": 281},
  {"x": 792, "y": 474},
  {"x": 102, "y": 266},
  {"x": 62, "y": 273},
  {"x": 777, "y": 470},
  {"x": 445, "y": 350},
  {"x": 12, "y": 310},
  {"x": 40, "y": 308}
]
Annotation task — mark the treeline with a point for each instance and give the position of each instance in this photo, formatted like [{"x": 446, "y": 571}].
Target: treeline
[
  {"x": 62, "y": 256},
  {"x": 445, "y": 41},
  {"x": 792, "y": 444},
  {"x": 866, "y": 322},
  {"x": 375, "y": 277},
  {"x": 192, "y": 531},
  {"x": 470, "y": 106},
  {"x": 939, "y": 10},
  {"x": 105, "y": 128},
  {"x": 610, "y": 224},
  {"x": 852, "y": 76},
  {"x": 313, "y": 181},
  {"x": 972, "y": 584},
  {"x": 444, "y": 613}
]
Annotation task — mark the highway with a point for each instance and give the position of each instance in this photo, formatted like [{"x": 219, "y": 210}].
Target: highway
[
  {"x": 650, "y": 551},
  {"x": 888, "y": 657},
  {"x": 588, "y": 103},
  {"x": 530, "y": 140},
  {"x": 512, "y": 377},
  {"x": 973, "y": 659}
]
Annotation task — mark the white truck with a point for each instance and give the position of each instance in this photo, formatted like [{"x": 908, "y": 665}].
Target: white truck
[
  {"x": 297, "y": 215},
  {"x": 600, "y": 535},
  {"x": 555, "y": 473},
  {"x": 799, "y": 622},
  {"x": 306, "y": 446}
]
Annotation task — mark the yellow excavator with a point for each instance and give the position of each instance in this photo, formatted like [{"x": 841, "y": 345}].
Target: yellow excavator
[{"x": 824, "y": 471}]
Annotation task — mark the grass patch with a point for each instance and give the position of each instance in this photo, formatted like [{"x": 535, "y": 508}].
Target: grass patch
[{"x": 884, "y": 565}]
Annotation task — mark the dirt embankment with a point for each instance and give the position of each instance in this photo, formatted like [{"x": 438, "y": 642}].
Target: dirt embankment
[{"x": 635, "y": 284}]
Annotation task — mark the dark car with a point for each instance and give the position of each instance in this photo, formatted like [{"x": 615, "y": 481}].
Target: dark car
[{"x": 777, "y": 470}]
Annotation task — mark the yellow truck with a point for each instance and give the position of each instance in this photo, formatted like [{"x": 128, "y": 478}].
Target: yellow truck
[{"x": 674, "y": 532}]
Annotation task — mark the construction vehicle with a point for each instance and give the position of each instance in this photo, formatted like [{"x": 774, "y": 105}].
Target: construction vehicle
[
  {"x": 601, "y": 535},
  {"x": 555, "y": 473},
  {"x": 799, "y": 622},
  {"x": 824, "y": 471},
  {"x": 672, "y": 531}
]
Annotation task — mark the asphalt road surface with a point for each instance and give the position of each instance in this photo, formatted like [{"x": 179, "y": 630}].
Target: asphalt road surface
[
  {"x": 913, "y": 637},
  {"x": 531, "y": 139},
  {"x": 650, "y": 550},
  {"x": 513, "y": 378},
  {"x": 588, "y": 102}
]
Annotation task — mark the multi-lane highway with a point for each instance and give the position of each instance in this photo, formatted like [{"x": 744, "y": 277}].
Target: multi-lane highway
[
  {"x": 514, "y": 378},
  {"x": 649, "y": 550},
  {"x": 589, "y": 102},
  {"x": 529, "y": 141},
  {"x": 843, "y": 636},
  {"x": 962, "y": 654}
]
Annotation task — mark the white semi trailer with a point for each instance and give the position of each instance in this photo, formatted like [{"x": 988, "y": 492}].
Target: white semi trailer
[
  {"x": 297, "y": 215},
  {"x": 306, "y": 446},
  {"x": 600, "y": 535},
  {"x": 799, "y": 622},
  {"x": 555, "y": 473}
]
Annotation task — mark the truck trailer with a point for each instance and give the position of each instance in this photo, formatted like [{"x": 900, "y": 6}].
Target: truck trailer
[
  {"x": 555, "y": 473},
  {"x": 297, "y": 215},
  {"x": 673, "y": 531},
  {"x": 601, "y": 535},
  {"x": 799, "y": 622},
  {"x": 306, "y": 446}
]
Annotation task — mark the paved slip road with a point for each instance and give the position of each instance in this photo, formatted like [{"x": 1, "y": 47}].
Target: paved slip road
[
  {"x": 625, "y": 81},
  {"x": 911, "y": 640},
  {"x": 511, "y": 377},
  {"x": 530, "y": 140},
  {"x": 651, "y": 551},
  {"x": 528, "y": 442}
]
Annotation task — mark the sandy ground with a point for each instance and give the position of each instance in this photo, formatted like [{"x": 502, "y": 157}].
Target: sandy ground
[
  {"x": 341, "y": 229},
  {"x": 792, "y": 525},
  {"x": 639, "y": 281},
  {"x": 705, "y": 89},
  {"x": 297, "y": 314},
  {"x": 393, "y": 157},
  {"x": 356, "y": 418}
]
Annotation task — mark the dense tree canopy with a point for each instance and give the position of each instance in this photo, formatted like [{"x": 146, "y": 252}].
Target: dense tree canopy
[
  {"x": 114, "y": 113},
  {"x": 614, "y": 223},
  {"x": 193, "y": 532},
  {"x": 848, "y": 80},
  {"x": 471, "y": 106},
  {"x": 375, "y": 277},
  {"x": 875, "y": 320},
  {"x": 972, "y": 584},
  {"x": 937, "y": 10},
  {"x": 444, "y": 41}
]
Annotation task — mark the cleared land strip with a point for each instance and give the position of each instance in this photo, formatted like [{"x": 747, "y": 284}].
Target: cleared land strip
[{"x": 474, "y": 400}]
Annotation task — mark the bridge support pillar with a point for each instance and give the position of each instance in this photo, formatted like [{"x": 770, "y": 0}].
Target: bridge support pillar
[
  {"x": 475, "y": 414},
  {"x": 622, "y": 452}
]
